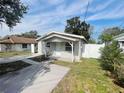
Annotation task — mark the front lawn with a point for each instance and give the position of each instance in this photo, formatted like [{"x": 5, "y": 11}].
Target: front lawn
[
  {"x": 13, "y": 53},
  {"x": 86, "y": 77},
  {"x": 13, "y": 66}
]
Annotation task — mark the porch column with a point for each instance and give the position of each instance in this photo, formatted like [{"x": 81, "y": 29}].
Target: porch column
[
  {"x": 40, "y": 47},
  {"x": 79, "y": 50},
  {"x": 44, "y": 47},
  {"x": 33, "y": 48},
  {"x": 72, "y": 45}
]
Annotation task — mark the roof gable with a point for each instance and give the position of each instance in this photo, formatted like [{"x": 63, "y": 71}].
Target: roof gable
[
  {"x": 64, "y": 35},
  {"x": 119, "y": 37},
  {"x": 61, "y": 37}
]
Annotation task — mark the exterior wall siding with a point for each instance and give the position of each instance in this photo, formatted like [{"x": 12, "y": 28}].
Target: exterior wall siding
[
  {"x": 15, "y": 47},
  {"x": 121, "y": 45},
  {"x": 58, "y": 50},
  {"x": 81, "y": 49}
]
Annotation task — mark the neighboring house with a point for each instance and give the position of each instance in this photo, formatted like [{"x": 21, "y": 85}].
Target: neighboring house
[
  {"x": 120, "y": 39},
  {"x": 14, "y": 43},
  {"x": 62, "y": 45}
]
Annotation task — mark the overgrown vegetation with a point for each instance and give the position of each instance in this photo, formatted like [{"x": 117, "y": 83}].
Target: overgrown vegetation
[
  {"x": 86, "y": 77},
  {"x": 13, "y": 66},
  {"x": 112, "y": 60}
]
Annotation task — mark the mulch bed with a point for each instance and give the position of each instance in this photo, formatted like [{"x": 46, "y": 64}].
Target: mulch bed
[
  {"x": 39, "y": 58},
  {"x": 13, "y": 66}
]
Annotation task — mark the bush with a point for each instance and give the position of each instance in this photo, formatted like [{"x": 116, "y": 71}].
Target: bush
[
  {"x": 111, "y": 56},
  {"x": 120, "y": 76},
  {"x": 112, "y": 60}
]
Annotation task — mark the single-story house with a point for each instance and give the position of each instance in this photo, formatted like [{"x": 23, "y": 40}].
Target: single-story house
[
  {"x": 120, "y": 39},
  {"x": 62, "y": 45},
  {"x": 15, "y": 43}
]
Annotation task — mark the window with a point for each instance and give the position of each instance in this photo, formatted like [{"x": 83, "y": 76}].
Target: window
[
  {"x": 67, "y": 47},
  {"x": 24, "y": 45},
  {"x": 48, "y": 45},
  {"x": 123, "y": 43}
]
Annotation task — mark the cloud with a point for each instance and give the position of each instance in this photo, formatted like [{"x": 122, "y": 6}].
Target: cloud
[
  {"x": 55, "y": 2},
  {"x": 48, "y": 15},
  {"x": 114, "y": 13},
  {"x": 50, "y": 20},
  {"x": 99, "y": 5}
]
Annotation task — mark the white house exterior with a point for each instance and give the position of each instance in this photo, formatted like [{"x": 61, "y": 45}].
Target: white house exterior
[
  {"x": 14, "y": 43},
  {"x": 62, "y": 45},
  {"x": 120, "y": 39}
]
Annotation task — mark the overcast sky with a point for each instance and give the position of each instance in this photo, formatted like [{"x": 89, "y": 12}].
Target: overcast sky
[{"x": 51, "y": 15}]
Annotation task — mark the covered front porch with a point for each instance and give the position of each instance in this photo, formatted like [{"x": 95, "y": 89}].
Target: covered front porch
[
  {"x": 62, "y": 46},
  {"x": 62, "y": 49}
]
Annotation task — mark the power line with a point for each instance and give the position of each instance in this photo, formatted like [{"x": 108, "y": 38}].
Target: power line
[{"x": 85, "y": 15}]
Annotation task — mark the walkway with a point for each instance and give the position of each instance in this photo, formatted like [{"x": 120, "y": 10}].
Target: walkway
[{"x": 33, "y": 79}]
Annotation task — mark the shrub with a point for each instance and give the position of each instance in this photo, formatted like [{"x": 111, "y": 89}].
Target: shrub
[
  {"x": 111, "y": 56},
  {"x": 120, "y": 75},
  {"x": 112, "y": 60}
]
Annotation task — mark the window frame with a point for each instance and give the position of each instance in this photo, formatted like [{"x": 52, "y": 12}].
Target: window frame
[
  {"x": 68, "y": 47},
  {"x": 122, "y": 43},
  {"x": 48, "y": 44},
  {"x": 24, "y": 45}
]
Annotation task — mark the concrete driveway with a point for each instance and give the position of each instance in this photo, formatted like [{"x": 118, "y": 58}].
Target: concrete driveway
[
  {"x": 33, "y": 79},
  {"x": 16, "y": 58}
]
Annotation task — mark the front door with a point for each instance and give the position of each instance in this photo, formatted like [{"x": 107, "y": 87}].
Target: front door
[{"x": 58, "y": 49}]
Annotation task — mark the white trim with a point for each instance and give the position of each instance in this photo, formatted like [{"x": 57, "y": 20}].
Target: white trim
[
  {"x": 63, "y": 37},
  {"x": 66, "y": 34},
  {"x": 118, "y": 36},
  {"x": 79, "y": 50},
  {"x": 72, "y": 50}
]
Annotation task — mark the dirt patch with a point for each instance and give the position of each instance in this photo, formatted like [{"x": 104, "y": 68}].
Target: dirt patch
[{"x": 39, "y": 58}]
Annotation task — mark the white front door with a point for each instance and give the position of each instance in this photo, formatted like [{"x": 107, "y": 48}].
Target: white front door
[{"x": 58, "y": 49}]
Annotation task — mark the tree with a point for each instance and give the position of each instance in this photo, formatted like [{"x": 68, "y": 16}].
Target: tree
[
  {"x": 30, "y": 34},
  {"x": 111, "y": 56},
  {"x": 92, "y": 41},
  {"x": 113, "y": 61},
  {"x": 106, "y": 38},
  {"x": 11, "y": 12},
  {"x": 76, "y": 26},
  {"x": 108, "y": 34}
]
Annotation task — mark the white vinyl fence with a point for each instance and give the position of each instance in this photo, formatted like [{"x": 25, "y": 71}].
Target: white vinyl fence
[{"x": 92, "y": 50}]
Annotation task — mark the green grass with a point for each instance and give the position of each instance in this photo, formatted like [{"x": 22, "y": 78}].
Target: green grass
[
  {"x": 86, "y": 77},
  {"x": 13, "y": 66},
  {"x": 13, "y": 53}
]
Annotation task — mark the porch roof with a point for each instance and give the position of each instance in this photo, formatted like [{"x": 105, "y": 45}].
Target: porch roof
[
  {"x": 65, "y": 36},
  {"x": 119, "y": 37},
  {"x": 62, "y": 37}
]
